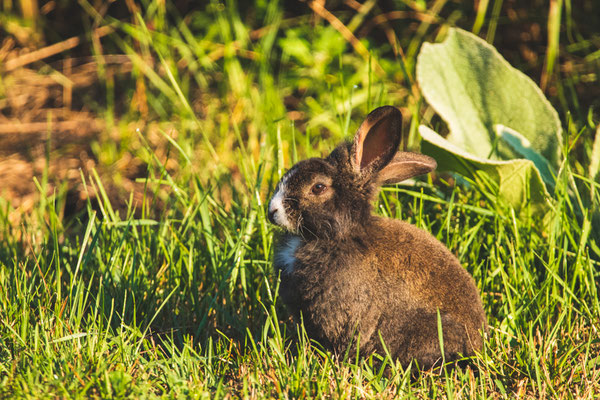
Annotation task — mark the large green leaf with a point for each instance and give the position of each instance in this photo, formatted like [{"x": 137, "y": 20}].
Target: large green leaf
[
  {"x": 517, "y": 181},
  {"x": 494, "y": 112}
]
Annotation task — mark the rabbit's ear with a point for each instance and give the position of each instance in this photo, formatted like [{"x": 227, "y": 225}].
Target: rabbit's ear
[
  {"x": 377, "y": 139},
  {"x": 405, "y": 165}
]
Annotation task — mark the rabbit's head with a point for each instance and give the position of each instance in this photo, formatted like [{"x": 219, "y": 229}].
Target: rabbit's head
[{"x": 332, "y": 196}]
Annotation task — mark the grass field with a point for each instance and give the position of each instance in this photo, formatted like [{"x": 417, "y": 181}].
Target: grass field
[{"x": 155, "y": 280}]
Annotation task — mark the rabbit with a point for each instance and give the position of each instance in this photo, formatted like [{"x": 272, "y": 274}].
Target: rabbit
[{"x": 354, "y": 277}]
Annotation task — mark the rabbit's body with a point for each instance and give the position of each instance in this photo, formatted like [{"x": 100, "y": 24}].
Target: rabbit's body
[
  {"x": 372, "y": 282},
  {"x": 352, "y": 276}
]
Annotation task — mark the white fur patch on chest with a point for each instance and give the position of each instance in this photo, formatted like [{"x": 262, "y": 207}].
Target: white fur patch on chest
[{"x": 285, "y": 258}]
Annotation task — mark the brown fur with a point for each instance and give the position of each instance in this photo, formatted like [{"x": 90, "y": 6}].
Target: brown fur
[{"x": 352, "y": 275}]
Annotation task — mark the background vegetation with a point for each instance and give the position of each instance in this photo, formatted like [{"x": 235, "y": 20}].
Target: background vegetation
[{"x": 139, "y": 143}]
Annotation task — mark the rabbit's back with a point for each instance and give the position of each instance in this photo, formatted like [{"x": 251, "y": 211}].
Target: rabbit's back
[{"x": 434, "y": 277}]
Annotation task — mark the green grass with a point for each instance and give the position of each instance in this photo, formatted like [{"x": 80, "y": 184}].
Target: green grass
[{"x": 174, "y": 295}]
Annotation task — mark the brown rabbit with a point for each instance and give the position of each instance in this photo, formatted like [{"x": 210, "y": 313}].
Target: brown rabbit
[{"x": 351, "y": 275}]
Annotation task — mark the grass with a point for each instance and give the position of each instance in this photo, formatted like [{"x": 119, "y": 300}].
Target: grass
[{"x": 173, "y": 294}]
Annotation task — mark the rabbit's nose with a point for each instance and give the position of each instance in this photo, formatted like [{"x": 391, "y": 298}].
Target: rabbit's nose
[{"x": 272, "y": 212}]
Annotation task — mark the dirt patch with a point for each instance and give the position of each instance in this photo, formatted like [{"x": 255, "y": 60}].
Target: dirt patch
[{"x": 46, "y": 129}]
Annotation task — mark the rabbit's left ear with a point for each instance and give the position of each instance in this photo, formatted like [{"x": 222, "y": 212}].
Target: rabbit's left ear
[
  {"x": 377, "y": 139},
  {"x": 405, "y": 165}
]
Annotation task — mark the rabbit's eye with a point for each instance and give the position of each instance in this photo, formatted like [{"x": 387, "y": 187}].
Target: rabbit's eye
[{"x": 318, "y": 188}]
